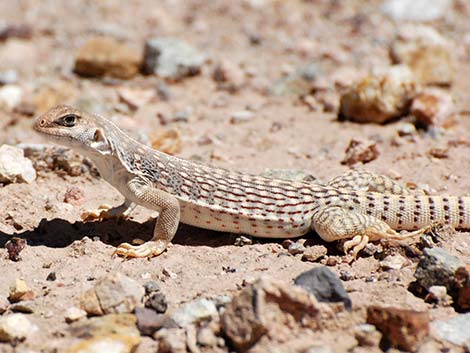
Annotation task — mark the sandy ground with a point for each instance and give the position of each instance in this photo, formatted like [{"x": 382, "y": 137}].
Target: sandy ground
[{"x": 354, "y": 36}]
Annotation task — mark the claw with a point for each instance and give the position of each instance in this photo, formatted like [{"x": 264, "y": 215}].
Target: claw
[
  {"x": 357, "y": 243},
  {"x": 148, "y": 249}
]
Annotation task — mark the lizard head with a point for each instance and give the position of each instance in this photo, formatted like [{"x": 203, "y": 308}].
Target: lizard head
[{"x": 72, "y": 128}]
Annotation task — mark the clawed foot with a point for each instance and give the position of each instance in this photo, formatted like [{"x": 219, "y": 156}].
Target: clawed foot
[
  {"x": 107, "y": 212},
  {"x": 148, "y": 249}
]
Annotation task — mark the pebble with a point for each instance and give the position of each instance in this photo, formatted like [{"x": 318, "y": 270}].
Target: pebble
[
  {"x": 360, "y": 151},
  {"x": 314, "y": 253},
  {"x": 114, "y": 293},
  {"x": 106, "y": 56},
  {"x": 151, "y": 286},
  {"x": 296, "y": 248},
  {"x": 299, "y": 83},
  {"x": 430, "y": 56},
  {"x": 10, "y": 96},
  {"x": 433, "y": 108},
  {"x": 14, "y": 246},
  {"x": 8, "y": 77},
  {"x": 20, "y": 291},
  {"x": 416, "y": 10},
  {"x": 242, "y": 240},
  {"x": 171, "y": 58},
  {"x": 73, "y": 314},
  {"x": 454, "y": 330},
  {"x": 324, "y": 285},
  {"x": 241, "y": 117},
  {"x": 379, "y": 98},
  {"x": 393, "y": 262},
  {"x": 404, "y": 329},
  {"x": 367, "y": 335},
  {"x": 149, "y": 322},
  {"x": 135, "y": 97},
  {"x": 229, "y": 77},
  {"x": 14, "y": 167},
  {"x": 157, "y": 301},
  {"x": 74, "y": 196},
  {"x": 52, "y": 276},
  {"x": 195, "y": 312},
  {"x": 438, "y": 295},
  {"x": 171, "y": 340},
  {"x": 15, "y": 327}
]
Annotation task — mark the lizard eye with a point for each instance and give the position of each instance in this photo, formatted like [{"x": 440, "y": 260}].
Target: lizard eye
[{"x": 68, "y": 120}]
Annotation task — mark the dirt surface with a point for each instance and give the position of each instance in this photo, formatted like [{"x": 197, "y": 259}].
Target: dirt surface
[{"x": 266, "y": 39}]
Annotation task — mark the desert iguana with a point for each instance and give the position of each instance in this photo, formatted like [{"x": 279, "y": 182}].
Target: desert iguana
[{"x": 356, "y": 207}]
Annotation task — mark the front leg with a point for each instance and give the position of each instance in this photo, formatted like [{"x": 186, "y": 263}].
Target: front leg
[{"x": 167, "y": 222}]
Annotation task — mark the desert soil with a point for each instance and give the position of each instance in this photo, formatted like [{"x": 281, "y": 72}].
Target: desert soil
[{"x": 266, "y": 39}]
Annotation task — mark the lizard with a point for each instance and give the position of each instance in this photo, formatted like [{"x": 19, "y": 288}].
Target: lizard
[{"x": 354, "y": 208}]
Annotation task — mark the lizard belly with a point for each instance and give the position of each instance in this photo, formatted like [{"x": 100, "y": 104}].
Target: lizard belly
[{"x": 228, "y": 220}]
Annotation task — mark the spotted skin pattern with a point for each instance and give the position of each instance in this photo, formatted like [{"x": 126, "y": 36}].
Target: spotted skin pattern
[{"x": 356, "y": 207}]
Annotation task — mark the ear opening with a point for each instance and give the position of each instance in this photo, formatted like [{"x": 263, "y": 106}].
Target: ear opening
[{"x": 100, "y": 143}]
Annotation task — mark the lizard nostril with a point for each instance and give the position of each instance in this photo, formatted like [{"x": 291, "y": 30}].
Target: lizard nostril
[{"x": 42, "y": 122}]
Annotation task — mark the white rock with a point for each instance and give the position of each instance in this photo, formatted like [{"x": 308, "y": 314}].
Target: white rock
[
  {"x": 15, "y": 327},
  {"x": 416, "y": 10},
  {"x": 194, "y": 312},
  {"x": 241, "y": 116},
  {"x": 14, "y": 167},
  {"x": 10, "y": 96}
]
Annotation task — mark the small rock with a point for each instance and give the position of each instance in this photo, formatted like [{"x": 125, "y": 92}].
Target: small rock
[
  {"x": 360, "y": 151},
  {"x": 171, "y": 340},
  {"x": 454, "y": 330},
  {"x": 167, "y": 141},
  {"x": 264, "y": 308},
  {"x": 440, "y": 153},
  {"x": 288, "y": 174},
  {"x": 8, "y": 77},
  {"x": 114, "y": 293},
  {"x": 367, "y": 335},
  {"x": 73, "y": 314},
  {"x": 242, "y": 240},
  {"x": 438, "y": 295},
  {"x": 151, "y": 286},
  {"x": 20, "y": 291},
  {"x": 437, "y": 268},
  {"x": 430, "y": 56},
  {"x": 241, "y": 117},
  {"x": 10, "y": 96},
  {"x": 14, "y": 246},
  {"x": 121, "y": 325},
  {"x": 157, "y": 301},
  {"x": 433, "y": 108},
  {"x": 74, "y": 195},
  {"x": 404, "y": 329},
  {"x": 324, "y": 285},
  {"x": 416, "y": 10},
  {"x": 314, "y": 253},
  {"x": 393, "y": 262},
  {"x": 462, "y": 279},
  {"x": 228, "y": 76},
  {"x": 52, "y": 276},
  {"x": 105, "y": 56},
  {"x": 105, "y": 344},
  {"x": 14, "y": 167},
  {"x": 15, "y": 328},
  {"x": 171, "y": 58},
  {"x": 168, "y": 273},
  {"x": 135, "y": 97},
  {"x": 25, "y": 307},
  {"x": 195, "y": 312},
  {"x": 406, "y": 129},
  {"x": 379, "y": 98},
  {"x": 296, "y": 248},
  {"x": 299, "y": 83},
  {"x": 149, "y": 322}
]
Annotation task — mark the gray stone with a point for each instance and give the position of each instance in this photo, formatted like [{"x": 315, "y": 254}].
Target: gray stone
[
  {"x": 416, "y": 10},
  {"x": 14, "y": 167},
  {"x": 454, "y": 330},
  {"x": 299, "y": 82},
  {"x": 437, "y": 268},
  {"x": 324, "y": 285},
  {"x": 149, "y": 322},
  {"x": 171, "y": 58},
  {"x": 195, "y": 312},
  {"x": 15, "y": 327}
]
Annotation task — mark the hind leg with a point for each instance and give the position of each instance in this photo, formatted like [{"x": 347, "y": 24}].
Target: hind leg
[
  {"x": 356, "y": 229},
  {"x": 368, "y": 181}
]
